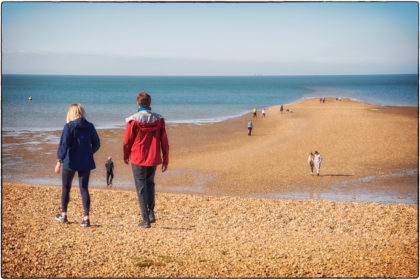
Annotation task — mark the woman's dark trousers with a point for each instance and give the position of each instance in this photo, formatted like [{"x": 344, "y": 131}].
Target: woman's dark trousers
[
  {"x": 67, "y": 178},
  {"x": 144, "y": 177}
]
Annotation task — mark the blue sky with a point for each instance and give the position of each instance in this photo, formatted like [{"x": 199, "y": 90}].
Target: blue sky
[{"x": 281, "y": 38}]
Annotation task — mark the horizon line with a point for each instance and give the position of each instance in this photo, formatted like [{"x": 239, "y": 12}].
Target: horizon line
[{"x": 190, "y": 75}]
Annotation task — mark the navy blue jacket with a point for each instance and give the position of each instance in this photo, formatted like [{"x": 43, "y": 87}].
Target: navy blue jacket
[{"x": 79, "y": 141}]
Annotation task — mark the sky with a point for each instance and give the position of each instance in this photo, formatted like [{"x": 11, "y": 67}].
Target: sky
[{"x": 280, "y": 38}]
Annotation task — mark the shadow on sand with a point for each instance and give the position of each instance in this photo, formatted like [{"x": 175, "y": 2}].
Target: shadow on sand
[
  {"x": 179, "y": 228},
  {"x": 337, "y": 175}
]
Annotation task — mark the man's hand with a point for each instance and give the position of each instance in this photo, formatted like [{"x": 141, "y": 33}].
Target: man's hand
[
  {"x": 126, "y": 161},
  {"x": 164, "y": 167}
]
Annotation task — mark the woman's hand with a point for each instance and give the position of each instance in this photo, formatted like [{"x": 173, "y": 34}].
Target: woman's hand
[{"x": 58, "y": 168}]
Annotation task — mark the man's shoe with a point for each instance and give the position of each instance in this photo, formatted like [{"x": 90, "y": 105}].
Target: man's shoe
[
  {"x": 152, "y": 218},
  {"x": 85, "y": 223},
  {"x": 144, "y": 224},
  {"x": 61, "y": 218}
]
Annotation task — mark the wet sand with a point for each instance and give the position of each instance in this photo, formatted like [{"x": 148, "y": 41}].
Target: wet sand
[{"x": 222, "y": 224}]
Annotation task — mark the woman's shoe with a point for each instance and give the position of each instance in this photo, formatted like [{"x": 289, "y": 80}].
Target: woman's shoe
[
  {"x": 85, "y": 223},
  {"x": 61, "y": 218}
]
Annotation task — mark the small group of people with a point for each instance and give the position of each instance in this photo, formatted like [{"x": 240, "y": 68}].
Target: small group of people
[
  {"x": 254, "y": 115},
  {"x": 254, "y": 112},
  {"x": 322, "y": 100},
  {"x": 287, "y": 110},
  {"x": 314, "y": 160},
  {"x": 145, "y": 147}
]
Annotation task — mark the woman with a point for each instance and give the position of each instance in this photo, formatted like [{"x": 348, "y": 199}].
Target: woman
[
  {"x": 311, "y": 159},
  {"x": 79, "y": 141},
  {"x": 318, "y": 160}
]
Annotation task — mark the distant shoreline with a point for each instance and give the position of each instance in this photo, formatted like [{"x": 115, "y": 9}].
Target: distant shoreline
[{"x": 308, "y": 96}]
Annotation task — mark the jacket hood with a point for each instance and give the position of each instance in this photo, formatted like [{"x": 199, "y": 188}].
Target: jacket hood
[
  {"x": 144, "y": 117},
  {"x": 79, "y": 123}
]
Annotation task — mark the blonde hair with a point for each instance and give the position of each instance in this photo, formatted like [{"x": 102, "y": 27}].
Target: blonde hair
[{"x": 75, "y": 111}]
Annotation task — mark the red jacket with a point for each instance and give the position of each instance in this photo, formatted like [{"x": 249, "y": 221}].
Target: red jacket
[{"x": 145, "y": 137}]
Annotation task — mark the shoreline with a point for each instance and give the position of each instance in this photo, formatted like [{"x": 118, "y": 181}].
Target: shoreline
[{"x": 302, "y": 193}]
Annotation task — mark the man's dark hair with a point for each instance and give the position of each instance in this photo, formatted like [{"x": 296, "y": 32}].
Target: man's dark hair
[{"x": 144, "y": 99}]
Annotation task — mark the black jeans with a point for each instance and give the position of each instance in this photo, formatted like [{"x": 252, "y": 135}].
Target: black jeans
[
  {"x": 67, "y": 179},
  {"x": 109, "y": 175},
  {"x": 144, "y": 178}
]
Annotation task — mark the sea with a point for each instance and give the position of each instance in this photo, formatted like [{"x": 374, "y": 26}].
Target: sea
[{"x": 40, "y": 102}]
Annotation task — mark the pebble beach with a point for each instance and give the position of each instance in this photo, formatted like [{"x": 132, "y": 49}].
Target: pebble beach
[{"x": 222, "y": 209}]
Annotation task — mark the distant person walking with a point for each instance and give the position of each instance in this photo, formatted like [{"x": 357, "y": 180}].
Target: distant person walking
[
  {"x": 263, "y": 113},
  {"x": 254, "y": 111},
  {"x": 281, "y": 108},
  {"x": 109, "y": 165},
  {"x": 311, "y": 159},
  {"x": 317, "y": 161},
  {"x": 249, "y": 127},
  {"x": 320, "y": 100},
  {"x": 79, "y": 141},
  {"x": 146, "y": 146},
  {"x": 323, "y": 100}
]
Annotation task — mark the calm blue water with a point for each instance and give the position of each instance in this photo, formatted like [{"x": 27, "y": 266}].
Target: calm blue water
[{"x": 109, "y": 99}]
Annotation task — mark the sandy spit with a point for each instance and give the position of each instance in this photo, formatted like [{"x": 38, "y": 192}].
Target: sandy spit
[
  {"x": 206, "y": 236},
  {"x": 364, "y": 147}
]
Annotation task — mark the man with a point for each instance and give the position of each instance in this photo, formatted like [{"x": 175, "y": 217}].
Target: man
[
  {"x": 109, "y": 165},
  {"x": 249, "y": 127},
  {"x": 146, "y": 146}
]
